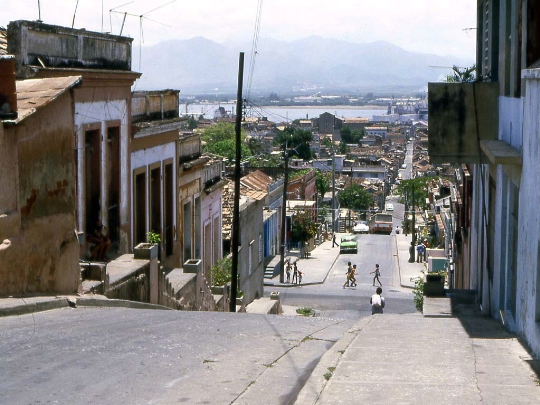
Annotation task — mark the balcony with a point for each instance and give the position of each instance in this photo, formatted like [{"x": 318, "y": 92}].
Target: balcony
[{"x": 461, "y": 117}]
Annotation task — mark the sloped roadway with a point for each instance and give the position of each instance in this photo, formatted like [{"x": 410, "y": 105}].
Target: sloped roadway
[
  {"x": 332, "y": 300},
  {"x": 137, "y": 356}
]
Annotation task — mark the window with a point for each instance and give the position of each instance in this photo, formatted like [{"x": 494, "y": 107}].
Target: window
[
  {"x": 261, "y": 248},
  {"x": 250, "y": 257}
]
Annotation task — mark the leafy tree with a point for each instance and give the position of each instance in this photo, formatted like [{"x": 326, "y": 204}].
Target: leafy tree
[
  {"x": 355, "y": 197},
  {"x": 192, "y": 123},
  {"x": 220, "y": 139},
  {"x": 254, "y": 146},
  {"x": 420, "y": 190},
  {"x": 222, "y": 131},
  {"x": 351, "y": 136},
  {"x": 343, "y": 148},
  {"x": 465, "y": 75},
  {"x": 267, "y": 161},
  {"x": 327, "y": 142},
  {"x": 323, "y": 183},
  {"x": 303, "y": 227},
  {"x": 297, "y": 141}
]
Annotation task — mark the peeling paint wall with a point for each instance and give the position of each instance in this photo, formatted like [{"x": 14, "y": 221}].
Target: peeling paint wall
[{"x": 41, "y": 256}]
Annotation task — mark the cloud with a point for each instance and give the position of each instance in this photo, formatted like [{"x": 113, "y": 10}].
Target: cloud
[{"x": 420, "y": 25}]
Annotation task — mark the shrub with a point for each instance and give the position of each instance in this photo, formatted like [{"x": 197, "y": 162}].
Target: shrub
[{"x": 222, "y": 271}]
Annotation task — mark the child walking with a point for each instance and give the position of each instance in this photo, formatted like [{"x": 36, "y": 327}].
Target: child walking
[
  {"x": 348, "y": 281},
  {"x": 377, "y": 274}
]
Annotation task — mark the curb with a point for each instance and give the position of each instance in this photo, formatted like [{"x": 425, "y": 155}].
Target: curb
[
  {"x": 314, "y": 386},
  {"x": 36, "y": 306},
  {"x": 49, "y": 304}
]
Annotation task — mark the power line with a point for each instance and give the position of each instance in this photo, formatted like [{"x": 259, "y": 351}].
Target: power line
[{"x": 254, "y": 45}]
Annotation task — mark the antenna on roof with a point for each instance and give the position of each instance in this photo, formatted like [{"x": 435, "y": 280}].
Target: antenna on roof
[
  {"x": 141, "y": 16},
  {"x": 75, "y": 12},
  {"x": 39, "y": 12}
]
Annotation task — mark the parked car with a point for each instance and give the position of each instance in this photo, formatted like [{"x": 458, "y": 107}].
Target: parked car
[
  {"x": 348, "y": 244},
  {"x": 361, "y": 227}
]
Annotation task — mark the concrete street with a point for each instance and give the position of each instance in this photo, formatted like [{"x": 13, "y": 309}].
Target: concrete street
[{"x": 112, "y": 352}]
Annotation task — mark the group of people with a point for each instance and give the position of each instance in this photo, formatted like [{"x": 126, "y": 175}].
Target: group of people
[
  {"x": 351, "y": 272},
  {"x": 377, "y": 300},
  {"x": 296, "y": 273},
  {"x": 421, "y": 250}
]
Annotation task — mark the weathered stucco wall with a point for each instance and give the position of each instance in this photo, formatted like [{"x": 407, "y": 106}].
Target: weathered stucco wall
[
  {"x": 528, "y": 283},
  {"x": 43, "y": 257},
  {"x": 251, "y": 218}
]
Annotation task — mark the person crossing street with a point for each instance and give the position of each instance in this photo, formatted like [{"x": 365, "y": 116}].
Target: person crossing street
[{"x": 377, "y": 273}]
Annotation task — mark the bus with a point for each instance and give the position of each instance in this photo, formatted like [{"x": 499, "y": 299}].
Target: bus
[{"x": 381, "y": 223}]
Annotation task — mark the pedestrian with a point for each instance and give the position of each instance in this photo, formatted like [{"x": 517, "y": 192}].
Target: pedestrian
[
  {"x": 300, "y": 277},
  {"x": 426, "y": 246},
  {"x": 295, "y": 274},
  {"x": 352, "y": 277},
  {"x": 348, "y": 281},
  {"x": 377, "y": 302},
  {"x": 334, "y": 240},
  {"x": 377, "y": 273},
  {"x": 419, "y": 252},
  {"x": 288, "y": 270}
]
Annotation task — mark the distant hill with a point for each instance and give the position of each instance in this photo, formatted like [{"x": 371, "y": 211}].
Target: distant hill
[{"x": 198, "y": 65}]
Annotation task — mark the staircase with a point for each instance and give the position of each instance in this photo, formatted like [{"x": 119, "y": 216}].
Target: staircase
[{"x": 272, "y": 268}]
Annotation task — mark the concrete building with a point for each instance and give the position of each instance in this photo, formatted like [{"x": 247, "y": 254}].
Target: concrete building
[
  {"x": 39, "y": 248},
  {"x": 154, "y": 170},
  {"x": 251, "y": 243},
  {"x": 493, "y": 128},
  {"x": 258, "y": 182},
  {"x": 200, "y": 200},
  {"x": 101, "y": 114},
  {"x": 376, "y": 131}
]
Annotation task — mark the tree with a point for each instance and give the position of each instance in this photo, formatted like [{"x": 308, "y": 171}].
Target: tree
[
  {"x": 355, "y": 197},
  {"x": 327, "y": 142},
  {"x": 323, "y": 184},
  {"x": 297, "y": 140},
  {"x": 303, "y": 227},
  {"x": 466, "y": 75},
  {"x": 420, "y": 190},
  {"x": 351, "y": 136},
  {"x": 254, "y": 146},
  {"x": 220, "y": 140},
  {"x": 343, "y": 149},
  {"x": 192, "y": 123}
]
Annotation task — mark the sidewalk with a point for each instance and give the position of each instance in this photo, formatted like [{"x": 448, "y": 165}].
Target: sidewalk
[
  {"x": 323, "y": 257},
  {"x": 413, "y": 359},
  {"x": 315, "y": 269},
  {"x": 407, "y": 270}
]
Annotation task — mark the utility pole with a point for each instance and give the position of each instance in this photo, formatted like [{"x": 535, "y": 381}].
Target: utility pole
[
  {"x": 333, "y": 191},
  {"x": 236, "y": 209},
  {"x": 284, "y": 216},
  {"x": 413, "y": 217}
]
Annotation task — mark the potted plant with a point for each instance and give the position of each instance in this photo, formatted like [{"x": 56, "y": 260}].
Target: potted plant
[
  {"x": 434, "y": 285},
  {"x": 150, "y": 249}
]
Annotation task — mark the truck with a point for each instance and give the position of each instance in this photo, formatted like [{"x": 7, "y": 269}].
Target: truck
[{"x": 381, "y": 223}]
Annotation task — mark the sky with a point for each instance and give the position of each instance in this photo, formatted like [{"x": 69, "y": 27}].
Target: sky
[{"x": 441, "y": 27}]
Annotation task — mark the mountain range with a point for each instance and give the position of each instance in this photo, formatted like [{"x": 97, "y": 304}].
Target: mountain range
[{"x": 198, "y": 65}]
